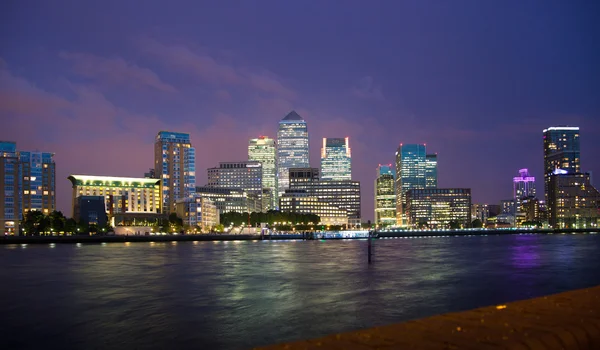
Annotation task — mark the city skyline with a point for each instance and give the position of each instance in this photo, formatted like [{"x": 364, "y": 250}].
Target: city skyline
[{"x": 464, "y": 92}]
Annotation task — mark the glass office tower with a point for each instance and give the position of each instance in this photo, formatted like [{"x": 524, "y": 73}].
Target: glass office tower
[
  {"x": 431, "y": 174},
  {"x": 263, "y": 150},
  {"x": 175, "y": 165},
  {"x": 292, "y": 148},
  {"x": 410, "y": 174},
  {"x": 336, "y": 159},
  {"x": 385, "y": 197}
]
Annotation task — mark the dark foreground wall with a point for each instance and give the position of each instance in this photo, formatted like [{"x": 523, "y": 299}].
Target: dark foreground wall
[{"x": 568, "y": 320}]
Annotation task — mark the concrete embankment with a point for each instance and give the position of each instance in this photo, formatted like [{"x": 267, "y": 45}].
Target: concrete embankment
[
  {"x": 250, "y": 237},
  {"x": 153, "y": 238},
  {"x": 569, "y": 320},
  {"x": 479, "y": 232}
]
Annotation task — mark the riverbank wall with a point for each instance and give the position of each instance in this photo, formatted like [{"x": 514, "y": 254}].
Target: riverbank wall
[
  {"x": 569, "y": 320},
  {"x": 289, "y": 236}
]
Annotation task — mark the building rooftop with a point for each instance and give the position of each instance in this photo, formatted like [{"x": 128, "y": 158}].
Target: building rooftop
[
  {"x": 173, "y": 136},
  {"x": 293, "y": 116},
  {"x": 112, "y": 181},
  {"x": 561, "y": 127}
]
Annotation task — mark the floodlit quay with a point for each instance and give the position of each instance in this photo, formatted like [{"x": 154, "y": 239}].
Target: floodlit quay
[
  {"x": 384, "y": 234},
  {"x": 569, "y": 320}
]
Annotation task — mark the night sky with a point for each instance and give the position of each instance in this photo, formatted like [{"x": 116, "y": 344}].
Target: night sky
[{"x": 477, "y": 81}]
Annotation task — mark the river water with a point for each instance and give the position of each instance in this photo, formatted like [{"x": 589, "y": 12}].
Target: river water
[{"x": 236, "y": 295}]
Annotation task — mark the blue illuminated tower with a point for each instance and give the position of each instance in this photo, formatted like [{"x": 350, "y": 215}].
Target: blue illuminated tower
[
  {"x": 336, "y": 159},
  {"x": 411, "y": 173},
  {"x": 175, "y": 165}
]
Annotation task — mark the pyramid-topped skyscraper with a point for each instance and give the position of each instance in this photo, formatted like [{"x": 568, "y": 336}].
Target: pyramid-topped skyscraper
[{"x": 292, "y": 147}]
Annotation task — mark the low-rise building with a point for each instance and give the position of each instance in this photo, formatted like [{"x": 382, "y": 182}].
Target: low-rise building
[
  {"x": 227, "y": 199},
  {"x": 438, "y": 207},
  {"x": 137, "y": 199},
  {"x": 90, "y": 210},
  {"x": 572, "y": 201},
  {"x": 302, "y": 202},
  {"x": 480, "y": 211},
  {"x": 530, "y": 207},
  {"x": 198, "y": 212}
]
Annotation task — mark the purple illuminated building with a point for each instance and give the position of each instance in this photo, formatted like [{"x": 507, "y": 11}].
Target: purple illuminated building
[{"x": 523, "y": 187}]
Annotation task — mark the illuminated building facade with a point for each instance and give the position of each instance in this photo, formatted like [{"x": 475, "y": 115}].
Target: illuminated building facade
[
  {"x": 336, "y": 159},
  {"x": 263, "y": 150},
  {"x": 431, "y": 171},
  {"x": 292, "y": 148},
  {"x": 385, "y": 196},
  {"x": 561, "y": 152},
  {"x": 37, "y": 181},
  {"x": 246, "y": 175},
  {"x": 438, "y": 207},
  {"x": 341, "y": 194},
  {"x": 481, "y": 212},
  {"x": 508, "y": 207},
  {"x": 530, "y": 208},
  {"x": 523, "y": 187},
  {"x": 175, "y": 166},
  {"x": 226, "y": 199},
  {"x": 198, "y": 212},
  {"x": 410, "y": 174},
  {"x": 301, "y": 202},
  {"x": 10, "y": 198},
  {"x": 136, "y": 197},
  {"x": 572, "y": 201}
]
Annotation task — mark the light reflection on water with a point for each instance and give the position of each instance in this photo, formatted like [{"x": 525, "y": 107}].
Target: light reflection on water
[{"x": 241, "y": 294}]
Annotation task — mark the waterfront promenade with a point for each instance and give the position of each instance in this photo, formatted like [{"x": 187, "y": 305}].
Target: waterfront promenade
[
  {"x": 383, "y": 234},
  {"x": 569, "y": 320}
]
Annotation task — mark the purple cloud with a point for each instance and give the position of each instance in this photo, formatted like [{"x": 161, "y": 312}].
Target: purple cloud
[
  {"x": 211, "y": 70},
  {"x": 367, "y": 89},
  {"x": 115, "y": 71}
]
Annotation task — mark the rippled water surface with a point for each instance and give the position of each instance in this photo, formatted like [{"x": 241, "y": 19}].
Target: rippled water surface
[{"x": 236, "y": 295}]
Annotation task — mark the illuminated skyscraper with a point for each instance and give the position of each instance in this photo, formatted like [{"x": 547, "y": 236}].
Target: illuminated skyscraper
[
  {"x": 561, "y": 152},
  {"x": 523, "y": 187},
  {"x": 264, "y": 151},
  {"x": 336, "y": 159},
  {"x": 431, "y": 174},
  {"x": 37, "y": 181},
  {"x": 9, "y": 189},
  {"x": 410, "y": 174},
  {"x": 385, "y": 197},
  {"x": 292, "y": 148},
  {"x": 561, "y": 157},
  {"x": 175, "y": 165}
]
